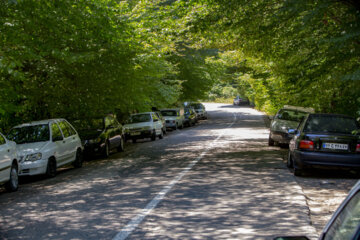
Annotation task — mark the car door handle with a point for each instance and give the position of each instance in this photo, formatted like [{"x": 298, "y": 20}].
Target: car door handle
[{"x": 8, "y": 150}]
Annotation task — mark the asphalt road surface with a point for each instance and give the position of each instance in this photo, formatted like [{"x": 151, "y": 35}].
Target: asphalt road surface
[{"x": 216, "y": 180}]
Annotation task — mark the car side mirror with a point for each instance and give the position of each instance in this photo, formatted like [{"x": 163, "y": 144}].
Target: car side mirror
[
  {"x": 58, "y": 138},
  {"x": 292, "y": 238},
  {"x": 292, "y": 131}
]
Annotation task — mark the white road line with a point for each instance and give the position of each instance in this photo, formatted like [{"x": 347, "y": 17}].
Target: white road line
[{"x": 135, "y": 221}]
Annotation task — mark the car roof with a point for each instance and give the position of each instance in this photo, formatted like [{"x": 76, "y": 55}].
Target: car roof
[
  {"x": 142, "y": 113},
  {"x": 170, "y": 109},
  {"x": 47, "y": 121},
  {"x": 303, "y": 109}
]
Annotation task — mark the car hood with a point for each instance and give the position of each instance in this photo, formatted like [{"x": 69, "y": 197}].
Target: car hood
[
  {"x": 137, "y": 125},
  {"x": 29, "y": 148},
  {"x": 283, "y": 125}
]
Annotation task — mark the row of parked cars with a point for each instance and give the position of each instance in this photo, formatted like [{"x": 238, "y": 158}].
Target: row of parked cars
[
  {"x": 40, "y": 147},
  {"x": 316, "y": 139}
]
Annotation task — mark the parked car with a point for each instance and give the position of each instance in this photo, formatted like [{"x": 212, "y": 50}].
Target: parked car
[
  {"x": 43, "y": 146},
  {"x": 144, "y": 125},
  {"x": 190, "y": 116},
  {"x": 174, "y": 117},
  {"x": 199, "y": 109},
  {"x": 100, "y": 135},
  {"x": 241, "y": 101},
  {"x": 325, "y": 140},
  {"x": 288, "y": 117},
  {"x": 9, "y": 165},
  {"x": 344, "y": 223}
]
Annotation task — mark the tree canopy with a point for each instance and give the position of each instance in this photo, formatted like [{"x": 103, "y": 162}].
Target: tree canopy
[{"x": 85, "y": 58}]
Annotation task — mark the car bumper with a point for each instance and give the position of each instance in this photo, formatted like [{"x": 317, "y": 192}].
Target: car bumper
[
  {"x": 33, "y": 168},
  {"x": 139, "y": 134},
  {"x": 305, "y": 159},
  {"x": 280, "y": 137},
  {"x": 94, "y": 148},
  {"x": 170, "y": 124}
]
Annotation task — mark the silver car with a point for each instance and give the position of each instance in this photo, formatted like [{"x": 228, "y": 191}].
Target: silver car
[{"x": 288, "y": 117}]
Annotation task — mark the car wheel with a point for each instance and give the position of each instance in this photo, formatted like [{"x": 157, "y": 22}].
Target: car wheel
[
  {"x": 176, "y": 127},
  {"x": 161, "y": 136},
  {"x": 289, "y": 162},
  {"x": 153, "y": 136},
  {"x": 298, "y": 172},
  {"x": 51, "y": 168},
  {"x": 164, "y": 131},
  {"x": 106, "y": 152},
  {"x": 79, "y": 159},
  {"x": 190, "y": 123},
  {"x": 134, "y": 140},
  {"x": 13, "y": 183},
  {"x": 271, "y": 142},
  {"x": 182, "y": 126},
  {"x": 121, "y": 145}
]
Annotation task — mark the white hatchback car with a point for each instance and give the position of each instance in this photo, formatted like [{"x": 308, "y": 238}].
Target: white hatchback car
[
  {"x": 43, "y": 146},
  {"x": 9, "y": 165},
  {"x": 144, "y": 125}
]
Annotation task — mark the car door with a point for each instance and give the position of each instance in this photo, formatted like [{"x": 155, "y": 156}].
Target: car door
[
  {"x": 59, "y": 144},
  {"x": 157, "y": 123},
  {"x": 5, "y": 159},
  {"x": 69, "y": 142}
]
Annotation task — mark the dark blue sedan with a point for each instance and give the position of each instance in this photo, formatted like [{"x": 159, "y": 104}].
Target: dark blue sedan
[{"x": 325, "y": 140}]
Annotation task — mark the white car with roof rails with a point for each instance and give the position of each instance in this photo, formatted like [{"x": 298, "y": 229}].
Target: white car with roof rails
[
  {"x": 9, "y": 165},
  {"x": 43, "y": 146},
  {"x": 144, "y": 125},
  {"x": 174, "y": 117}
]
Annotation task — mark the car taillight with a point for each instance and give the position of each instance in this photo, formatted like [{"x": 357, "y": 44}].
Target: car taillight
[
  {"x": 306, "y": 144},
  {"x": 358, "y": 147}
]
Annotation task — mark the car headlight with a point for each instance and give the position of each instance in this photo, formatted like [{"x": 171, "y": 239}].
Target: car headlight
[
  {"x": 97, "y": 140},
  {"x": 33, "y": 157}
]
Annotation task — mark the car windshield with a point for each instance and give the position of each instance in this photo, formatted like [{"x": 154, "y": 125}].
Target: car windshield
[
  {"x": 169, "y": 113},
  {"x": 140, "y": 118},
  {"x": 290, "y": 115},
  {"x": 331, "y": 124},
  {"x": 89, "y": 124},
  {"x": 30, "y": 134}
]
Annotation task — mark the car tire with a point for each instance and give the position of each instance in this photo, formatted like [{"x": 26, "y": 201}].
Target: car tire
[
  {"x": 271, "y": 142},
  {"x": 51, "y": 168},
  {"x": 106, "y": 151},
  {"x": 79, "y": 159},
  {"x": 121, "y": 145},
  {"x": 289, "y": 162},
  {"x": 164, "y": 131},
  {"x": 182, "y": 126},
  {"x": 298, "y": 172},
  {"x": 153, "y": 136},
  {"x": 13, "y": 184},
  {"x": 134, "y": 140},
  {"x": 176, "y": 127},
  {"x": 161, "y": 136}
]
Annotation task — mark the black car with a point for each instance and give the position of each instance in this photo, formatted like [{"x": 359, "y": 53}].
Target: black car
[
  {"x": 190, "y": 116},
  {"x": 325, "y": 140},
  {"x": 101, "y": 135}
]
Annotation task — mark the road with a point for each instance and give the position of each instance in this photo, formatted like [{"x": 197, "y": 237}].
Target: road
[{"x": 217, "y": 180}]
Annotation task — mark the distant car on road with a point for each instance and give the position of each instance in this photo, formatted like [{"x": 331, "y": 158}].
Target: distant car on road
[
  {"x": 174, "y": 117},
  {"x": 43, "y": 146},
  {"x": 9, "y": 165},
  {"x": 241, "y": 101},
  {"x": 325, "y": 140},
  {"x": 288, "y": 117},
  {"x": 100, "y": 135},
  {"x": 144, "y": 125},
  {"x": 344, "y": 223}
]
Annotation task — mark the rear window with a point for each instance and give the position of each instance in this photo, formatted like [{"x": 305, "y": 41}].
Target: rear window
[
  {"x": 330, "y": 124},
  {"x": 290, "y": 115}
]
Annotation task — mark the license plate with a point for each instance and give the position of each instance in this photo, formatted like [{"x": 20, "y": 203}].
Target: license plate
[
  {"x": 337, "y": 146},
  {"x": 135, "y": 133}
]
